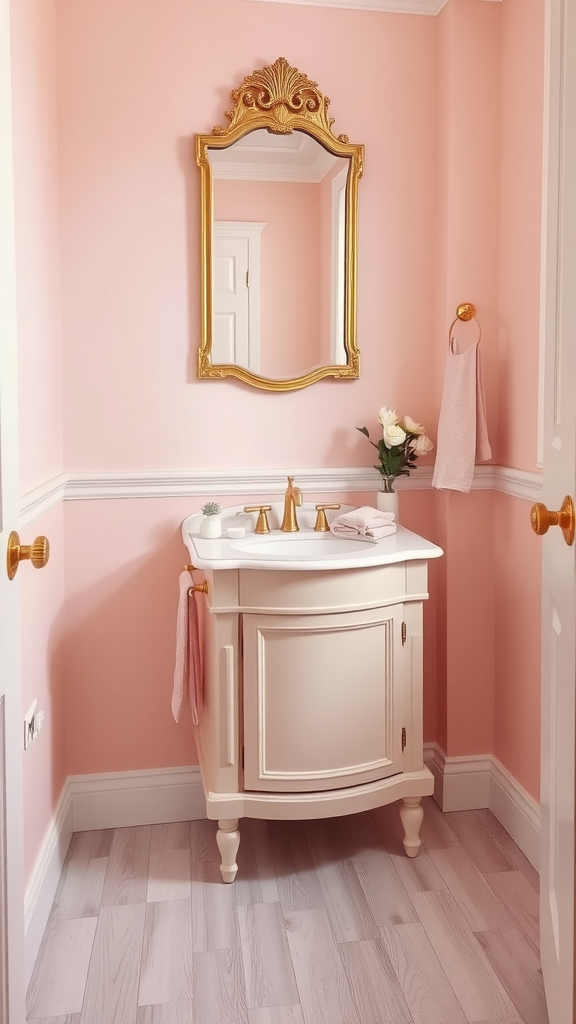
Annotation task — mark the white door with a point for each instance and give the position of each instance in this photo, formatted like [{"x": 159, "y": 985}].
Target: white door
[
  {"x": 558, "y": 565},
  {"x": 11, "y": 833},
  {"x": 236, "y": 294}
]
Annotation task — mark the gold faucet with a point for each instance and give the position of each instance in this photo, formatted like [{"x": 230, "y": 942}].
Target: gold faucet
[{"x": 292, "y": 498}]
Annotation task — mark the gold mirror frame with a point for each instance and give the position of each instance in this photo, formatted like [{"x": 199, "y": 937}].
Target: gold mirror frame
[{"x": 280, "y": 98}]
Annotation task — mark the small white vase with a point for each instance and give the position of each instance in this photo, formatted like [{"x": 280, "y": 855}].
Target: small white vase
[
  {"x": 387, "y": 501},
  {"x": 210, "y": 527}
]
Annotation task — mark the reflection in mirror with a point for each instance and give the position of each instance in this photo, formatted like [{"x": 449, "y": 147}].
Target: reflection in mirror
[
  {"x": 278, "y": 254},
  {"x": 279, "y": 234}
]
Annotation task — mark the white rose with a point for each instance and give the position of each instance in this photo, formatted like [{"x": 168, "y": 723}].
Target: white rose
[
  {"x": 393, "y": 435},
  {"x": 411, "y": 427},
  {"x": 387, "y": 417},
  {"x": 422, "y": 445}
]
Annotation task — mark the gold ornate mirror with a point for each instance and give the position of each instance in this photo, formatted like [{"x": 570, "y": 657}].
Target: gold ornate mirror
[{"x": 279, "y": 223}]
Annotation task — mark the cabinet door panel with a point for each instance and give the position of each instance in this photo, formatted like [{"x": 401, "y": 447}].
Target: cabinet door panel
[{"x": 322, "y": 699}]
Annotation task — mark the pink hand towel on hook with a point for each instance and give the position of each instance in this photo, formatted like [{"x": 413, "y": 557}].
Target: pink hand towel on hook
[
  {"x": 188, "y": 678},
  {"x": 365, "y": 523},
  {"x": 462, "y": 431}
]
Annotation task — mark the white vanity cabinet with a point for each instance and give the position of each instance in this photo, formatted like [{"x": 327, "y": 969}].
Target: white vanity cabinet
[{"x": 312, "y": 700}]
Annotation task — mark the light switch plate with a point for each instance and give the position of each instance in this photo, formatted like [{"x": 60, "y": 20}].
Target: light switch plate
[{"x": 29, "y": 724}]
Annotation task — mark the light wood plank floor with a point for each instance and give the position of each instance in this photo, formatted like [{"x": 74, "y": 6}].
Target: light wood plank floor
[{"x": 328, "y": 922}]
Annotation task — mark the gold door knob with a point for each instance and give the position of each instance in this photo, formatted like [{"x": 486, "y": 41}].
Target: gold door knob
[
  {"x": 542, "y": 519},
  {"x": 38, "y": 552}
]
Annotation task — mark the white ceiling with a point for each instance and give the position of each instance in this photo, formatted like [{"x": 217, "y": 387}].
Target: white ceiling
[{"x": 263, "y": 156}]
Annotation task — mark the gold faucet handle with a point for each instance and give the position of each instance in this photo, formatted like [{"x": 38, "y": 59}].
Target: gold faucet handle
[
  {"x": 321, "y": 521},
  {"x": 262, "y": 522}
]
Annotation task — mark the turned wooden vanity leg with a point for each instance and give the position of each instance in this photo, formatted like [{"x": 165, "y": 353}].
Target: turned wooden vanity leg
[
  {"x": 411, "y": 814},
  {"x": 228, "y": 839}
]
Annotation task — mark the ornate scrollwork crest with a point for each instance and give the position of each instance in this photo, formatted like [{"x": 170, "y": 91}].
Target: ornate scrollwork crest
[{"x": 285, "y": 95}]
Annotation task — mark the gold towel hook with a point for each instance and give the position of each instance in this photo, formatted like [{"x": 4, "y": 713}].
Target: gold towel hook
[
  {"x": 465, "y": 311},
  {"x": 196, "y": 588}
]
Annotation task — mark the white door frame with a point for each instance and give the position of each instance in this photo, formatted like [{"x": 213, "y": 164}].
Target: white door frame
[
  {"x": 10, "y": 644},
  {"x": 557, "y": 410}
]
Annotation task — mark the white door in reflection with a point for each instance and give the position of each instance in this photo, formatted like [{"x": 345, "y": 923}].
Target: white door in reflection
[{"x": 236, "y": 277}]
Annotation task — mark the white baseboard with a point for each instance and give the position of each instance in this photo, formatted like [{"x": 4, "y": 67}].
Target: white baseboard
[
  {"x": 44, "y": 880},
  {"x": 468, "y": 783},
  {"x": 149, "y": 797},
  {"x": 461, "y": 783},
  {"x": 516, "y": 811}
]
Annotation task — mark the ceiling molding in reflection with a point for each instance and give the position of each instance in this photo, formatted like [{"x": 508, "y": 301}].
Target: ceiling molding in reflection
[
  {"x": 388, "y": 6},
  {"x": 262, "y": 156}
]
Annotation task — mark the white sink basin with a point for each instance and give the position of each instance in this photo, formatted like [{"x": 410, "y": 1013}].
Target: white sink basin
[
  {"x": 297, "y": 546},
  {"x": 302, "y": 551}
]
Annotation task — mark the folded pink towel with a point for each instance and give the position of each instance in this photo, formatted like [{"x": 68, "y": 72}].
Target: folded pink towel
[
  {"x": 188, "y": 677},
  {"x": 462, "y": 432},
  {"x": 365, "y": 523}
]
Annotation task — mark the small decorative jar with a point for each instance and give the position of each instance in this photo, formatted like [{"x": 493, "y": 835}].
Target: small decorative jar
[{"x": 211, "y": 524}]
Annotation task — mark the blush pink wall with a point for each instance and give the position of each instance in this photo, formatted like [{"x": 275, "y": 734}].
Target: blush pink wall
[
  {"x": 520, "y": 230},
  {"x": 289, "y": 261},
  {"x": 517, "y": 560},
  {"x": 488, "y": 694},
  {"x": 429, "y": 228},
  {"x": 468, "y": 243},
  {"x": 122, "y": 594},
  {"x": 136, "y": 80},
  {"x": 34, "y": 115},
  {"x": 430, "y": 100},
  {"x": 37, "y": 240},
  {"x": 517, "y": 551},
  {"x": 130, "y": 306}
]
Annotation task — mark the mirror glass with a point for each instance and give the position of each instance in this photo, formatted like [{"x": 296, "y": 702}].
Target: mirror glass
[{"x": 278, "y": 254}]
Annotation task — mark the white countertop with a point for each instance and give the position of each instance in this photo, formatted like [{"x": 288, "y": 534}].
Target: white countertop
[{"x": 311, "y": 551}]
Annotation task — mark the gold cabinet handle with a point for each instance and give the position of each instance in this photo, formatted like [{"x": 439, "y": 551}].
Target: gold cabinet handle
[
  {"x": 38, "y": 552},
  {"x": 262, "y": 522},
  {"x": 321, "y": 525},
  {"x": 542, "y": 519}
]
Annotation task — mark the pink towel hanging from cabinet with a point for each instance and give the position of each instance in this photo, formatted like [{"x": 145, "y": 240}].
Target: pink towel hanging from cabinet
[{"x": 188, "y": 675}]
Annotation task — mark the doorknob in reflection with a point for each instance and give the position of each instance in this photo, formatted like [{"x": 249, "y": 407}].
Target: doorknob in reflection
[
  {"x": 542, "y": 519},
  {"x": 38, "y": 552}
]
